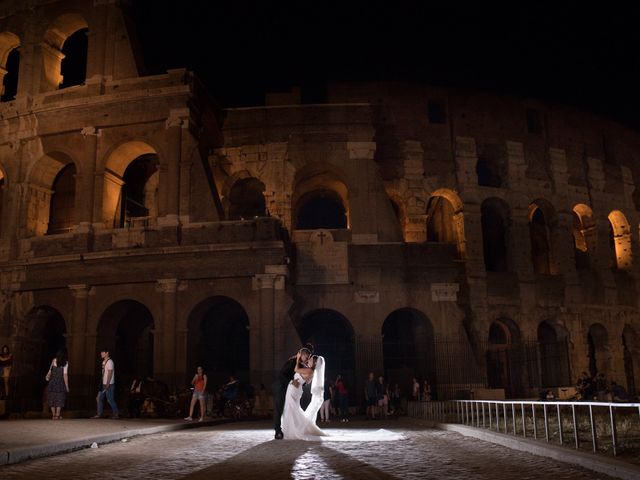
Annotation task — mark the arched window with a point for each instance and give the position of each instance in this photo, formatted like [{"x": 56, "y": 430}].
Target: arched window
[
  {"x": 583, "y": 235},
  {"x": 140, "y": 190},
  {"x": 246, "y": 199},
  {"x": 440, "y": 223},
  {"x": 502, "y": 370},
  {"x": 495, "y": 224},
  {"x": 10, "y": 81},
  {"x": 9, "y": 65},
  {"x": 63, "y": 199},
  {"x": 490, "y": 165},
  {"x": 620, "y": 241},
  {"x": 540, "y": 250},
  {"x": 64, "y": 52},
  {"x": 541, "y": 229},
  {"x": 73, "y": 67}
]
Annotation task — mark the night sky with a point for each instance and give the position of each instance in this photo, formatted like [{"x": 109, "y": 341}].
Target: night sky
[{"x": 585, "y": 56}]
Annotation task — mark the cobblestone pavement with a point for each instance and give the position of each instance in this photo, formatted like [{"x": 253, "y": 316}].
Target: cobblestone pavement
[{"x": 247, "y": 451}]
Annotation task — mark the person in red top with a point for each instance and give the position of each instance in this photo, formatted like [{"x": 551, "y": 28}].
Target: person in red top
[
  {"x": 199, "y": 383},
  {"x": 342, "y": 397}
]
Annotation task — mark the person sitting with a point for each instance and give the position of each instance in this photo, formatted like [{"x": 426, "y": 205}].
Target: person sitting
[
  {"x": 136, "y": 398},
  {"x": 619, "y": 393}
]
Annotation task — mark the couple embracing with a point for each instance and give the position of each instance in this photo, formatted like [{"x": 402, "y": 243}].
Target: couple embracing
[{"x": 289, "y": 420}]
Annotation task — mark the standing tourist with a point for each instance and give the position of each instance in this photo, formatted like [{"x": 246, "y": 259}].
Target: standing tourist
[
  {"x": 58, "y": 387},
  {"x": 199, "y": 383},
  {"x": 107, "y": 387},
  {"x": 6, "y": 360}
]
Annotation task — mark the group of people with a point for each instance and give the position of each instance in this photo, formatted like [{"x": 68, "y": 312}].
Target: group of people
[
  {"x": 596, "y": 387},
  {"x": 381, "y": 400},
  {"x": 420, "y": 393}
]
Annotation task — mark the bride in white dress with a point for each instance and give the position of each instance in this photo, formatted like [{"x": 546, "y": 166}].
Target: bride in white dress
[{"x": 298, "y": 424}]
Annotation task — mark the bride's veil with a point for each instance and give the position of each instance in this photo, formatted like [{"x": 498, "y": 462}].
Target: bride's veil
[{"x": 317, "y": 391}]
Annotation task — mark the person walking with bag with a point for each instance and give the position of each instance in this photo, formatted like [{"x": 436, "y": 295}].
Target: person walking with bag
[{"x": 58, "y": 387}]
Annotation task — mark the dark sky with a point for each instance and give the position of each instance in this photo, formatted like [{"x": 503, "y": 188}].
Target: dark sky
[{"x": 574, "y": 54}]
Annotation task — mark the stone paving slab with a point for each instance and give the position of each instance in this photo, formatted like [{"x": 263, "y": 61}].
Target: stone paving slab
[{"x": 22, "y": 440}]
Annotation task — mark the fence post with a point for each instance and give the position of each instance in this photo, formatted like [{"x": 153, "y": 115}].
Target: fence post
[
  {"x": 546, "y": 423},
  {"x": 535, "y": 425},
  {"x": 593, "y": 429},
  {"x": 524, "y": 423},
  {"x": 613, "y": 431},
  {"x": 559, "y": 423},
  {"x": 513, "y": 415},
  {"x": 575, "y": 425},
  {"x": 504, "y": 411}
]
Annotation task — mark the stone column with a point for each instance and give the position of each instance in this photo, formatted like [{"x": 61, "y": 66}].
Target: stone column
[
  {"x": 361, "y": 157},
  {"x": 263, "y": 334},
  {"x": 81, "y": 365},
  {"x": 170, "y": 194},
  {"x": 165, "y": 343},
  {"x": 86, "y": 182}
]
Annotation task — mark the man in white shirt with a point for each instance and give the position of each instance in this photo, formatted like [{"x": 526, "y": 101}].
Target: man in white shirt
[{"x": 107, "y": 387}]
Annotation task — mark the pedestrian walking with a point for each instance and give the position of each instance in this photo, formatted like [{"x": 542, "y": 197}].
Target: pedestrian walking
[{"x": 107, "y": 386}]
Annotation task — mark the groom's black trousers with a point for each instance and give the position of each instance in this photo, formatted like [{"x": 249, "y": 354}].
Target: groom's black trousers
[{"x": 279, "y": 394}]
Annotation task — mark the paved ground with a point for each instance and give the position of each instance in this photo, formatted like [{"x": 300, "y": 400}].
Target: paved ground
[{"x": 247, "y": 451}]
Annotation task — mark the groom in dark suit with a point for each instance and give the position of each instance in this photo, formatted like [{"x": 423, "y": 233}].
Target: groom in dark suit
[{"x": 285, "y": 376}]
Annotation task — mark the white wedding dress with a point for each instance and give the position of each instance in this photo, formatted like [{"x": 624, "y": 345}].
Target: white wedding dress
[{"x": 298, "y": 424}]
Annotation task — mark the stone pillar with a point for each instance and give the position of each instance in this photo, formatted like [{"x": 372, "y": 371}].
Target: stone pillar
[
  {"x": 361, "y": 158},
  {"x": 164, "y": 358},
  {"x": 466, "y": 160},
  {"x": 85, "y": 192},
  {"x": 263, "y": 334},
  {"x": 170, "y": 178},
  {"x": 81, "y": 364}
]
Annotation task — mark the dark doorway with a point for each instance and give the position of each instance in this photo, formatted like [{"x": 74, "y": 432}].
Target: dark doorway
[
  {"x": 47, "y": 336},
  {"x": 332, "y": 337},
  {"x": 321, "y": 209},
  {"x": 505, "y": 358},
  {"x": 219, "y": 341},
  {"x": 408, "y": 347},
  {"x": 598, "y": 344},
  {"x": 126, "y": 329},
  {"x": 540, "y": 249}
]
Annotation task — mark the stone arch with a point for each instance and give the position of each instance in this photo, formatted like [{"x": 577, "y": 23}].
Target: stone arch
[
  {"x": 131, "y": 182},
  {"x": 320, "y": 198},
  {"x": 542, "y": 231},
  {"x": 244, "y": 198},
  {"x": 126, "y": 329},
  {"x": 631, "y": 358},
  {"x": 445, "y": 219},
  {"x": 495, "y": 220},
  {"x": 9, "y": 65},
  {"x": 620, "y": 241},
  {"x": 53, "y": 170},
  {"x": 47, "y": 331},
  {"x": 59, "y": 31},
  {"x": 218, "y": 340},
  {"x": 599, "y": 351},
  {"x": 408, "y": 346},
  {"x": 584, "y": 235},
  {"x": 554, "y": 367},
  {"x": 503, "y": 350},
  {"x": 333, "y": 337}
]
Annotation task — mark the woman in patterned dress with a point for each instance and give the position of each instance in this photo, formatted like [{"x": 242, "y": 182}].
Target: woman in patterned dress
[{"x": 58, "y": 386}]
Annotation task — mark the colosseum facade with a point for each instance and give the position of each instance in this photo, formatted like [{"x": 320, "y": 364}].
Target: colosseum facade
[{"x": 472, "y": 239}]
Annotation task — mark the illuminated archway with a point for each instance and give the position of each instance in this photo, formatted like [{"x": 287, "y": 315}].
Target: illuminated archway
[
  {"x": 320, "y": 198},
  {"x": 9, "y": 65},
  {"x": 60, "y": 30},
  {"x": 584, "y": 232}
]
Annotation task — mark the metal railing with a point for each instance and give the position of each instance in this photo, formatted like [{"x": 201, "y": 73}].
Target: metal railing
[{"x": 571, "y": 423}]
